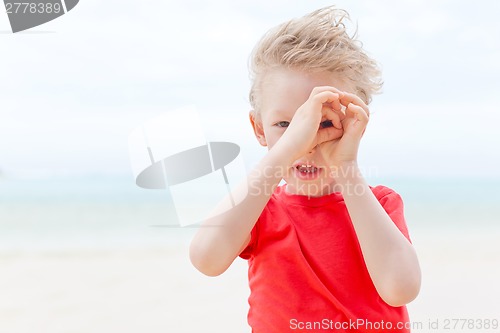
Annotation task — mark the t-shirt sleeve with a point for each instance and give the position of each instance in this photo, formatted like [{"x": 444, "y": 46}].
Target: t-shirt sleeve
[
  {"x": 250, "y": 248},
  {"x": 393, "y": 205}
]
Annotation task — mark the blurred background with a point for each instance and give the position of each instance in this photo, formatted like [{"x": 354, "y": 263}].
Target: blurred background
[{"x": 82, "y": 249}]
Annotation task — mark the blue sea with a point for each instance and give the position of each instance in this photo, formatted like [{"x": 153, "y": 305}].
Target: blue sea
[
  {"x": 85, "y": 212},
  {"x": 107, "y": 211}
]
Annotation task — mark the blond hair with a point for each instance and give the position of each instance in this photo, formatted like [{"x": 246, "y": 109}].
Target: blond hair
[{"x": 316, "y": 42}]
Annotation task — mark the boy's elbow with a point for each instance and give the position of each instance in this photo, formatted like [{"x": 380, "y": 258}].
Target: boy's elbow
[
  {"x": 399, "y": 294},
  {"x": 202, "y": 262},
  {"x": 208, "y": 270}
]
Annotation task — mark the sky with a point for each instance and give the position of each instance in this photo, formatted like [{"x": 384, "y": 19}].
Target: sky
[{"x": 72, "y": 90}]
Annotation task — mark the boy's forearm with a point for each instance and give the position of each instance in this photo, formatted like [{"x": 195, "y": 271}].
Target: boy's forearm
[
  {"x": 390, "y": 258},
  {"x": 221, "y": 238}
]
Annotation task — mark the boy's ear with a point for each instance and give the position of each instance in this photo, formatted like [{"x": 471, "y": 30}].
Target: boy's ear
[{"x": 257, "y": 128}]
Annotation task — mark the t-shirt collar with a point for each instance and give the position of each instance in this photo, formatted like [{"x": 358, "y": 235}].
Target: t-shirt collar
[{"x": 304, "y": 200}]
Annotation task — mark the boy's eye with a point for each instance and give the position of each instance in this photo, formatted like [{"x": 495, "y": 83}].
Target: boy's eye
[
  {"x": 326, "y": 124},
  {"x": 282, "y": 123}
]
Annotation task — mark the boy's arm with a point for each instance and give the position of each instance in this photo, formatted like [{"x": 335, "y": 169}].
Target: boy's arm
[
  {"x": 221, "y": 238},
  {"x": 390, "y": 258}
]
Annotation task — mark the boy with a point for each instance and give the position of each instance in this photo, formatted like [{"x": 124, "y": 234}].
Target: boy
[{"x": 326, "y": 252}]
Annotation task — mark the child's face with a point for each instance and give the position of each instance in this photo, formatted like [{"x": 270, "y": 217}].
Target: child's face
[{"x": 283, "y": 91}]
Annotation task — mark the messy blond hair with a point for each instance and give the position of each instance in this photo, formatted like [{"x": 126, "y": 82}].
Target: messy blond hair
[{"x": 316, "y": 42}]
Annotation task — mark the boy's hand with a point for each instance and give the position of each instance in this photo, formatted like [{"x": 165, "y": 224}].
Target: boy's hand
[
  {"x": 354, "y": 118},
  {"x": 305, "y": 131}
]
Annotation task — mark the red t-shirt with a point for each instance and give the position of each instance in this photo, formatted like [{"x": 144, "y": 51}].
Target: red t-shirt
[{"x": 306, "y": 270}]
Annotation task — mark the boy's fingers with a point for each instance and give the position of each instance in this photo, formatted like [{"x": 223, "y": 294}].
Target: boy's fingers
[
  {"x": 335, "y": 102},
  {"x": 328, "y": 134},
  {"x": 331, "y": 115},
  {"x": 347, "y": 98},
  {"x": 326, "y": 97},
  {"x": 341, "y": 113},
  {"x": 320, "y": 89},
  {"x": 358, "y": 112},
  {"x": 328, "y": 112}
]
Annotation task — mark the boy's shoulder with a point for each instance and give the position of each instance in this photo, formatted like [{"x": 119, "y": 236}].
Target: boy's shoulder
[{"x": 381, "y": 191}]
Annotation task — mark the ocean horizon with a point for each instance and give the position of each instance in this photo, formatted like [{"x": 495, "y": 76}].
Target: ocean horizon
[{"x": 102, "y": 210}]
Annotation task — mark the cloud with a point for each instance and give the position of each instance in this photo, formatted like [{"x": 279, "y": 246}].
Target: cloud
[{"x": 110, "y": 65}]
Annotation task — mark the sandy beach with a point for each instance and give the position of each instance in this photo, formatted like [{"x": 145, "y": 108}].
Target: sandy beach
[
  {"x": 128, "y": 290},
  {"x": 460, "y": 281},
  {"x": 141, "y": 289}
]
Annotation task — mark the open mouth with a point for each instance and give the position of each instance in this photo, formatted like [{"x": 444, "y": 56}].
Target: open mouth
[
  {"x": 306, "y": 168},
  {"x": 306, "y": 171}
]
